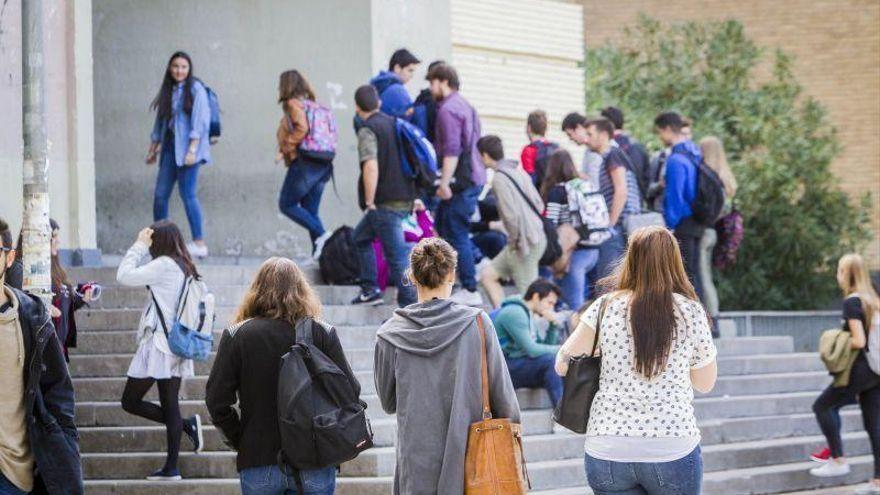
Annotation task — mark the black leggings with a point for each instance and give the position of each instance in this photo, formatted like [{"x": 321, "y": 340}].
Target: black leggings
[
  {"x": 168, "y": 413},
  {"x": 864, "y": 388}
]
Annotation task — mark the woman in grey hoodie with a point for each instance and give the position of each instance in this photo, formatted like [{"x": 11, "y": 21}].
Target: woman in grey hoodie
[{"x": 427, "y": 369}]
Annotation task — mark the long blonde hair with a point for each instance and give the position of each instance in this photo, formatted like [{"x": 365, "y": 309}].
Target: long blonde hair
[
  {"x": 279, "y": 291},
  {"x": 716, "y": 159},
  {"x": 652, "y": 272},
  {"x": 855, "y": 279}
]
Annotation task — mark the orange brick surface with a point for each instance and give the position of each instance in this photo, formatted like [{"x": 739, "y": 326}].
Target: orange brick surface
[{"x": 836, "y": 45}]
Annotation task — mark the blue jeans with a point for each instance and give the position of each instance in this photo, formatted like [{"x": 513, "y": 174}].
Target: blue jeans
[
  {"x": 271, "y": 480},
  {"x": 7, "y": 488},
  {"x": 680, "y": 477},
  {"x": 187, "y": 178},
  {"x": 574, "y": 283},
  {"x": 384, "y": 224},
  {"x": 301, "y": 193},
  {"x": 453, "y": 225},
  {"x": 538, "y": 372},
  {"x": 610, "y": 253}
]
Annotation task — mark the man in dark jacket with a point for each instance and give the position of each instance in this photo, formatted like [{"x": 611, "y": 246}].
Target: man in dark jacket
[
  {"x": 38, "y": 437},
  {"x": 636, "y": 152}
]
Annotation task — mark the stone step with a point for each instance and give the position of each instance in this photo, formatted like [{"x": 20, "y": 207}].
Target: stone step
[
  {"x": 213, "y": 275},
  {"x": 222, "y": 486},
  {"x": 123, "y": 341},
  {"x": 782, "y": 478},
  {"x": 121, "y": 297},
  {"x": 122, "y": 319}
]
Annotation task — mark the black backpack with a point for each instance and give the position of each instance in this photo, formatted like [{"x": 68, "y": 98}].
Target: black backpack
[
  {"x": 321, "y": 419},
  {"x": 709, "y": 202},
  {"x": 339, "y": 261},
  {"x": 544, "y": 150}
]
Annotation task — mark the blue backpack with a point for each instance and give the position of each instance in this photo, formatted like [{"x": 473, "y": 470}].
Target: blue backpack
[
  {"x": 418, "y": 160},
  {"x": 214, "y": 104}
]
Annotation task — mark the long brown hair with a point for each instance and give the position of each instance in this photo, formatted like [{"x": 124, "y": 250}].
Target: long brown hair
[
  {"x": 279, "y": 291},
  {"x": 855, "y": 280},
  {"x": 652, "y": 272},
  {"x": 57, "y": 273},
  {"x": 168, "y": 241},
  {"x": 292, "y": 84},
  {"x": 162, "y": 101},
  {"x": 716, "y": 159},
  {"x": 560, "y": 168}
]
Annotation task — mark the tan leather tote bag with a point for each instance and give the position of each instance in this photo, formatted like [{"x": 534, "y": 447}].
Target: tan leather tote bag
[{"x": 493, "y": 463}]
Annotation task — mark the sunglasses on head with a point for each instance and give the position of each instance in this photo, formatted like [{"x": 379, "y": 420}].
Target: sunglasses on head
[{"x": 4, "y": 249}]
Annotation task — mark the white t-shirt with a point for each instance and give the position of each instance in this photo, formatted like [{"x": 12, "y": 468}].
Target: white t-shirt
[{"x": 628, "y": 406}]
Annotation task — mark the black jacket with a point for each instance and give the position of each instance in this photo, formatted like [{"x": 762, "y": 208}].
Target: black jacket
[
  {"x": 246, "y": 371},
  {"x": 393, "y": 185},
  {"x": 49, "y": 404}
]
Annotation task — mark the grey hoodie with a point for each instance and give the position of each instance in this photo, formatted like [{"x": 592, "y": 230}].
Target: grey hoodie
[{"x": 427, "y": 369}]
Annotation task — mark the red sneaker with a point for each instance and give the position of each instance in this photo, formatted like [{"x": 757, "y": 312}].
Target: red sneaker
[{"x": 821, "y": 455}]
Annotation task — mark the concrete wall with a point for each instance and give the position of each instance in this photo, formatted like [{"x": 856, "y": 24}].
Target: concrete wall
[
  {"x": 68, "y": 99},
  {"x": 239, "y": 48},
  {"x": 837, "y": 48}
]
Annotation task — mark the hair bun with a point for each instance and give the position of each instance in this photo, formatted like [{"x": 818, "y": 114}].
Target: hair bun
[{"x": 431, "y": 262}]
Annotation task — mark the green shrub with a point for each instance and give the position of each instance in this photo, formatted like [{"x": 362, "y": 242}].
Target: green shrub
[{"x": 780, "y": 144}]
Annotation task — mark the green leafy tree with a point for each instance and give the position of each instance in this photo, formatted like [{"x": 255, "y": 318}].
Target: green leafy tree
[{"x": 780, "y": 144}]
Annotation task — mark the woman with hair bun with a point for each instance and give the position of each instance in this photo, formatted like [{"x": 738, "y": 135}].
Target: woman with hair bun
[{"x": 427, "y": 369}]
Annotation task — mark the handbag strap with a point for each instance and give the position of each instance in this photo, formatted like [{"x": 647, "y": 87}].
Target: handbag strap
[
  {"x": 599, "y": 325},
  {"x": 522, "y": 193},
  {"x": 484, "y": 369}
]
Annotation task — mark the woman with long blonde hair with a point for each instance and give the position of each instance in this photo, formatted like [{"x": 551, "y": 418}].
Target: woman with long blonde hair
[
  {"x": 716, "y": 159},
  {"x": 861, "y": 310},
  {"x": 656, "y": 348},
  {"x": 246, "y": 369}
]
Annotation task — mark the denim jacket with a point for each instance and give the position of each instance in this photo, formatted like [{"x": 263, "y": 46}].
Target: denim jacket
[
  {"x": 49, "y": 404},
  {"x": 187, "y": 127}
]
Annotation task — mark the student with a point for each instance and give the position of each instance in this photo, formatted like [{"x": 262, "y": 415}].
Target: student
[
  {"x": 681, "y": 191},
  {"x": 535, "y": 154},
  {"x": 634, "y": 150},
  {"x": 15, "y": 272},
  {"x": 487, "y": 233},
  {"x": 574, "y": 125},
  {"x": 561, "y": 179},
  {"x": 385, "y": 195},
  {"x": 713, "y": 155},
  {"x": 66, "y": 297},
  {"x": 153, "y": 362},
  {"x": 246, "y": 372},
  {"x": 529, "y": 358},
  {"x": 656, "y": 348},
  {"x": 427, "y": 362},
  {"x": 391, "y": 84},
  {"x": 306, "y": 177},
  {"x": 37, "y": 391},
  {"x": 425, "y": 109},
  {"x": 620, "y": 188},
  {"x": 180, "y": 134},
  {"x": 513, "y": 188},
  {"x": 861, "y": 308}
]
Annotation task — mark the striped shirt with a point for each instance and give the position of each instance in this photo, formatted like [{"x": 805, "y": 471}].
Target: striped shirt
[{"x": 615, "y": 157}]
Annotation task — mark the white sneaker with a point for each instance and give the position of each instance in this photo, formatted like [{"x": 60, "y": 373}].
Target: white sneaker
[
  {"x": 197, "y": 251},
  {"x": 319, "y": 244},
  {"x": 830, "y": 469},
  {"x": 467, "y": 298},
  {"x": 558, "y": 429},
  {"x": 869, "y": 489}
]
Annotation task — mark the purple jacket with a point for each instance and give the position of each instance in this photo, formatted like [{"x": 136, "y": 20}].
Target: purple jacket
[{"x": 458, "y": 126}]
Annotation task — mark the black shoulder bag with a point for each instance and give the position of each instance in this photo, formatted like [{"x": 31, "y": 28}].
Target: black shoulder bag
[
  {"x": 553, "y": 251},
  {"x": 580, "y": 385}
]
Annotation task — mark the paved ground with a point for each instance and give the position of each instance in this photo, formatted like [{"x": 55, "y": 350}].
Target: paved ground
[{"x": 828, "y": 491}]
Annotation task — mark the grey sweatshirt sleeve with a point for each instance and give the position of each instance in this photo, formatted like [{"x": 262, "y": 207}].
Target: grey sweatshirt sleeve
[
  {"x": 384, "y": 364},
  {"x": 502, "y": 395}
]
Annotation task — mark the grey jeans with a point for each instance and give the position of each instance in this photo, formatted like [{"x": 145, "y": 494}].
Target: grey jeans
[{"x": 710, "y": 294}]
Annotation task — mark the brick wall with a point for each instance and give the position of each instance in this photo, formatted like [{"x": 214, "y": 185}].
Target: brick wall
[{"x": 836, "y": 44}]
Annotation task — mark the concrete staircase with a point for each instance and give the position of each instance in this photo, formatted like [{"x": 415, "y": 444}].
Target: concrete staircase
[{"x": 757, "y": 425}]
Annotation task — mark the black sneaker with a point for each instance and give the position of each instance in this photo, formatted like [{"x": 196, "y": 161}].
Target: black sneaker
[
  {"x": 193, "y": 428},
  {"x": 165, "y": 475},
  {"x": 371, "y": 298}
]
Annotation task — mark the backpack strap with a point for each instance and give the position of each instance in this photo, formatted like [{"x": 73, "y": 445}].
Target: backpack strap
[
  {"x": 158, "y": 311},
  {"x": 304, "y": 331}
]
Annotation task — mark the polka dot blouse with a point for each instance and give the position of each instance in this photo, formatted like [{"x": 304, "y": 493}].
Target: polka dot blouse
[{"x": 627, "y": 403}]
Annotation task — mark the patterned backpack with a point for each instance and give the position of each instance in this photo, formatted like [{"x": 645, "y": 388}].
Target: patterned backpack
[
  {"x": 320, "y": 142},
  {"x": 589, "y": 212},
  {"x": 730, "y": 236}
]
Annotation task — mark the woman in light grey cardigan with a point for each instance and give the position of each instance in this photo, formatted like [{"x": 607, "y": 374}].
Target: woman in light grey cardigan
[{"x": 427, "y": 369}]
